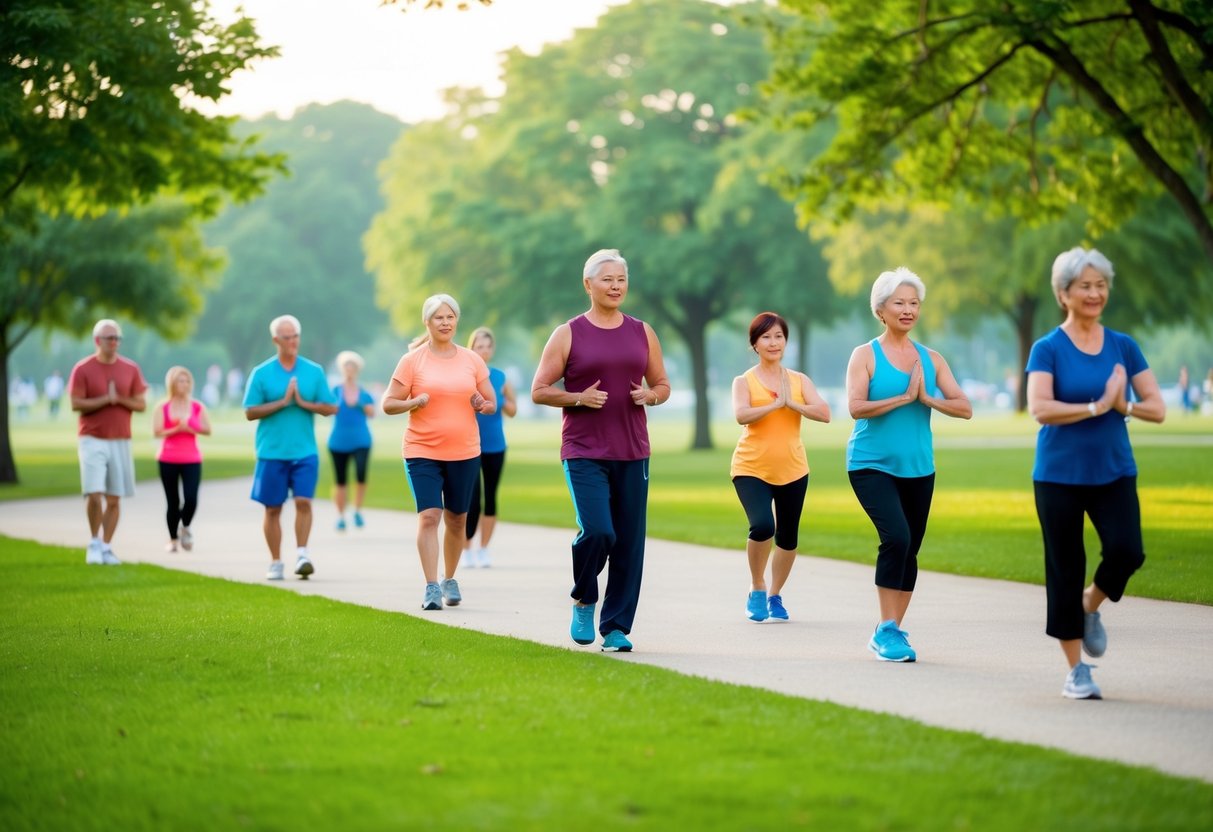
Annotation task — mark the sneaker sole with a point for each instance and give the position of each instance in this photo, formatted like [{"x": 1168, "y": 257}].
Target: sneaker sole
[
  {"x": 752, "y": 617},
  {"x": 902, "y": 660},
  {"x": 305, "y": 570},
  {"x": 431, "y": 607},
  {"x": 1079, "y": 697},
  {"x": 606, "y": 649},
  {"x": 583, "y": 641},
  {"x": 451, "y": 603},
  {"x": 777, "y": 618}
]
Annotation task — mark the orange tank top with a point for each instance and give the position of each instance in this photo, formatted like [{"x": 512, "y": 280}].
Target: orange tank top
[{"x": 770, "y": 448}]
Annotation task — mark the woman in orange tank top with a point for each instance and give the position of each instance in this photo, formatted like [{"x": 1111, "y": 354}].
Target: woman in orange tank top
[{"x": 770, "y": 470}]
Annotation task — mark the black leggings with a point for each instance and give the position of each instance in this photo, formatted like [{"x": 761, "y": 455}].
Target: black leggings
[
  {"x": 783, "y": 522},
  {"x": 490, "y": 472},
  {"x": 1116, "y": 515},
  {"x": 898, "y": 508},
  {"x": 341, "y": 464},
  {"x": 180, "y": 479}
]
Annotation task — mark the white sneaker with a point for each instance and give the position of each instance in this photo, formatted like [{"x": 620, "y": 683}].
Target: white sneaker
[
  {"x": 303, "y": 566},
  {"x": 470, "y": 559},
  {"x": 109, "y": 558},
  {"x": 92, "y": 555},
  {"x": 275, "y": 571},
  {"x": 485, "y": 560},
  {"x": 187, "y": 538}
]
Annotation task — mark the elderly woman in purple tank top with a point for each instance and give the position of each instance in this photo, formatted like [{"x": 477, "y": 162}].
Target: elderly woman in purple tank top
[{"x": 612, "y": 369}]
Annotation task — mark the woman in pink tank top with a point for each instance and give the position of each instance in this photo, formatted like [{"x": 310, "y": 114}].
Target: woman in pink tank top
[{"x": 178, "y": 421}]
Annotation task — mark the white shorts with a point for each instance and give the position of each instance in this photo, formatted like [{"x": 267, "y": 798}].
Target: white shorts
[{"x": 106, "y": 467}]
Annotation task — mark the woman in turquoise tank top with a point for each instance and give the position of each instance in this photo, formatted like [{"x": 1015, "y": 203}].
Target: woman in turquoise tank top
[{"x": 893, "y": 384}]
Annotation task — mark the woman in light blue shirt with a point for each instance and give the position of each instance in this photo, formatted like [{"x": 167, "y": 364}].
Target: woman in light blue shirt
[
  {"x": 893, "y": 384},
  {"x": 1079, "y": 376}
]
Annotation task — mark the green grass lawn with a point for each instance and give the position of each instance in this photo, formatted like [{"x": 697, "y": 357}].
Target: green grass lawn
[
  {"x": 142, "y": 698},
  {"x": 983, "y": 521}
]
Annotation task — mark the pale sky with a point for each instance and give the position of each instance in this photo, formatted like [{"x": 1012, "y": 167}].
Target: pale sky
[{"x": 399, "y": 62}]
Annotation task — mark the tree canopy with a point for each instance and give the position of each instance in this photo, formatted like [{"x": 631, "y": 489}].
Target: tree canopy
[{"x": 1034, "y": 107}]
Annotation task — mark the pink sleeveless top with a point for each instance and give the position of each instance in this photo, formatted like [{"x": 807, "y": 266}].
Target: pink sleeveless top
[{"x": 181, "y": 448}]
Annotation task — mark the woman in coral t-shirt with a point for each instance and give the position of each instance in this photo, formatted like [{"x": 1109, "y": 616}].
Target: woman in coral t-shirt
[
  {"x": 442, "y": 386},
  {"x": 179, "y": 420}
]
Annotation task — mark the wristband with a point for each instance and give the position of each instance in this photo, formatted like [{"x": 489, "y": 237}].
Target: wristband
[
  {"x": 1128, "y": 412},
  {"x": 1091, "y": 408}
]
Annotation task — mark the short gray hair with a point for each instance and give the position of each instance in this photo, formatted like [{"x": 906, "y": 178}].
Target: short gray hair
[
  {"x": 102, "y": 324},
  {"x": 349, "y": 357},
  {"x": 601, "y": 257},
  {"x": 887, "y": 284},
  {"x": 1070, "y": 264},
  {"x": 433, "y": 302},
  {"x": 285, "y": 319}
]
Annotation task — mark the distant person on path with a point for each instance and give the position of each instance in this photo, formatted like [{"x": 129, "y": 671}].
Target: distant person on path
[
  {"x": 442, "y": 386},
  {"x": 612, "y": 368},
  {"x": 492, "y": 453},
  {"x": 351, "y": 437},
  {"x": 1185, "y": 390},
  {"x": 283, "y": 395},
  {"x": 893, "y": 384},
  {"x": 53, "y": 388},
  {"x": 769, "y": 465},
  {"x": 1078, "y": 380},
  {"x": 178, "y": 421},
  {"x": 105, "y": 389}
]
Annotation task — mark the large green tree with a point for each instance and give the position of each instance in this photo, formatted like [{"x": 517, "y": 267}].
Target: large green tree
[
  {"x": 624, "y": 136},
  {"x": 65, "y": 272},
  {"x": 1036, "y": 107},
  {"x": 298, "y": 248},
  {"x": 97, "y": 114}
]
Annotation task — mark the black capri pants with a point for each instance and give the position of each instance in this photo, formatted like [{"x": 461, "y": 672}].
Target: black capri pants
[
  {"x": 180, "y": 481},
  {"x": 491, "y": 465},
  {"x": 898, "y": 508},
  {"x": 773, "y": 510},
  {"x": 1116, "y": 515},
  {"x": 341, "y": 464}
]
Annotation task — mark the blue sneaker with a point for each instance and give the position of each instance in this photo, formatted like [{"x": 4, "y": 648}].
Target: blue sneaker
[
  {"x": 775, "y": 608},
  {"x": 756, "y": 606},
  {"x": 341, "y": 523},
  {"x": 889, "y": 643},
  {"x": 358, "y": 521},
  {"x": 582, "y": 628},
  {"x": 1079, "y": 684},
  {"x": 1094, "y": 636},
  {"x": 616, "y": 642},
  {"x": 905, "y": 638},
  {"x": 450, "y": 592},
  {"x": 433, "y": 597}
]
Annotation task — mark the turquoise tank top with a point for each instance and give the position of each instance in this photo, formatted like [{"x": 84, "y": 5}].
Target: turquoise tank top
[{"x": 899, "y": 442}]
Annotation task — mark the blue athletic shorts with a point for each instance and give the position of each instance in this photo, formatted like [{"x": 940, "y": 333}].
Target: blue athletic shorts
[
  {"x": 274, "y": 479},
  {"x": 435, "y": 483}
]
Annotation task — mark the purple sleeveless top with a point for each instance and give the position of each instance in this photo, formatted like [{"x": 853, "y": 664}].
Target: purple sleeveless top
[{"x": 618, "y": 357}]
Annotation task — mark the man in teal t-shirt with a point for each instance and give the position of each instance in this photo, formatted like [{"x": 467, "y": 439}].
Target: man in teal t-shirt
[{"x": 283, "y": 395}]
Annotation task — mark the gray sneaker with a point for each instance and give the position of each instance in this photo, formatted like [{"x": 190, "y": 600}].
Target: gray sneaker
[
  {"x": 1094, "y": 636},
  {"x": 275, "y": 571},
  {"x": 303, "y": 566},
  {"x": 433, "y": 598},
  {"x": 1079, "y": 684},
  {"x": 450, "y": 592}
]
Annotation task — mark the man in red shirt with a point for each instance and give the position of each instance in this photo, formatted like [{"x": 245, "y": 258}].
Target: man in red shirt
[{"x": 105, "y": 389}]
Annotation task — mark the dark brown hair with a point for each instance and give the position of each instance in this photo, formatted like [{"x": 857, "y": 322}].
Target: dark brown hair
[{"x": 764, "y": 321}]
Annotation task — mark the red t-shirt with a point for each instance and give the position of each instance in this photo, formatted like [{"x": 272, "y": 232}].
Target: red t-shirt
[{"x": 90, "y": 379}]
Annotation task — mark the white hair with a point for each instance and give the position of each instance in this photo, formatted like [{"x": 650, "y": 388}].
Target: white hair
[
  {"x": 102, "y": 324},
  {"x": 350, "y": 357},
  {"x": 432, "y": 304},
  {"x": 1070, "y": 264},
  {"x": 285, "y": 319},
  {"x": 601, "y": 257},
  {"x": 888, "y": 283}
]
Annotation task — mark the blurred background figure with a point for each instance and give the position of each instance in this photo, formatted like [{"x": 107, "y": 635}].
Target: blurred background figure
[
  {"x": 351, "y": 436},
  {"x": 52, "y": 388},
  {"x": 492, "y": 453},
  {"x": 178, "y": 420}
]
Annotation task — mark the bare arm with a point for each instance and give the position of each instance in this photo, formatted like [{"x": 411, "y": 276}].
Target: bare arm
[
  {"x": 204, "y": 421},
  {"x": 1047, "y": 410},
  {"x": 484, "y": 400},
  {"x": 551, "y": 370},
  {"x": 397, "y": 399},
  {"x": 260, "y": 411},
  {"x": 1149, "y": 405},
  {"x": 509, "y": 400},
  {"x": 158, "y": 430},
  {"x": 658, "y": 383},
  {"x": 954, "y": 401},
  {"x": 815, "y": 408},
  {"x": 745, "y": 411},
  {"x": 859, "y": 375}
]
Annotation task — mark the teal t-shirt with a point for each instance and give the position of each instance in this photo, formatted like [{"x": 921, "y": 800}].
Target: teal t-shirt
[
  {"x": 289, "y": 433},
  {"x": 899, "y": 442}
]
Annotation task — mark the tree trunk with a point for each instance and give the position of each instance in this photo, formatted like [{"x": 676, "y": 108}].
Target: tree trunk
[
  {"x": 695, "y": 336},
  {"x": 1023, "y": 315},
  {"x": 802, "y": 346},
  {"x": 8, "y": 465}
]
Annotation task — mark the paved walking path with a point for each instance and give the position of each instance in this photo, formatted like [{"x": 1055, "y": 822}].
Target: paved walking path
[{"x": 984, "y": 664}]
